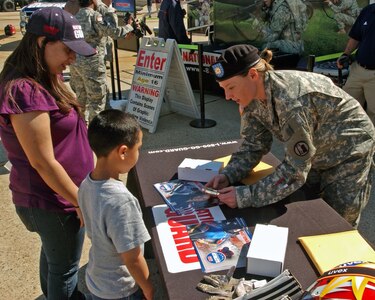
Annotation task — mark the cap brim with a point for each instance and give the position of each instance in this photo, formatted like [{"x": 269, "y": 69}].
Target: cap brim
[{"x": 80, "y": 47}]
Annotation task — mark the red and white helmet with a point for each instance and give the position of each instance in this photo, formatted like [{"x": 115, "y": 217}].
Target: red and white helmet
[
  {"x": 10, "y": 29},
  {"x": 349, "y": 281}
]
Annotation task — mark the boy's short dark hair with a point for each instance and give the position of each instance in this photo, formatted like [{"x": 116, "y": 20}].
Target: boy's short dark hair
[{"x": 111, "y": 128}]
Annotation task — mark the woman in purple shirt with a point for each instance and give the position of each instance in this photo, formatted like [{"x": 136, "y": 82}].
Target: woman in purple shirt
[{"x": 46, "y": 140}]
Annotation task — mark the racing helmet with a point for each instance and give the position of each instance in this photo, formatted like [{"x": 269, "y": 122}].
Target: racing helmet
[
  {"x": 10, "y": 29},
  {"x": 349, "y": 281}
]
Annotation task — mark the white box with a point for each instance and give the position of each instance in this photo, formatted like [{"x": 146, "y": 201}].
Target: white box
[
  {"x": 267, "y": 250},
  {"x": 198, "y": 169}
]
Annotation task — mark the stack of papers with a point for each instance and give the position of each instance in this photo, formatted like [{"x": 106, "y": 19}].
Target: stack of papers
[{"x": 330, "y": 250}]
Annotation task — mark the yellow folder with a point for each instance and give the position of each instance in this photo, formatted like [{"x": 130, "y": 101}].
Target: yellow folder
[
  {"x": 260, "y": 171},
  {"x": 330, "y": 250}
]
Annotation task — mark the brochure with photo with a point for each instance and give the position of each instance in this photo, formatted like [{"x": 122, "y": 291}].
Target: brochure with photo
[
  {"x": 220, "y": 244},
  {"x": 185, "y": 197}
]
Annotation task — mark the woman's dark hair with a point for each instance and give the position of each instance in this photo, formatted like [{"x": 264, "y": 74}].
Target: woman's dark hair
[
  {"x": 27, "y": 62},
  {"x": 112, "y": 128}
]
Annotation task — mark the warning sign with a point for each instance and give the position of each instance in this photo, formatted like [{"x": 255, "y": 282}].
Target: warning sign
[{"x": 159, "y": 75}]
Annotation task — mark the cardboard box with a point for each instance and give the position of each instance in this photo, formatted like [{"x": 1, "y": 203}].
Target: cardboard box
[
  {"x": 198, "y": 169},
  {"x": 267, "y": 250}
]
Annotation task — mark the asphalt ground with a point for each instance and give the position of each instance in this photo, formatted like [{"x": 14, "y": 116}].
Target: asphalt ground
[{"x": 19, "y": 249}]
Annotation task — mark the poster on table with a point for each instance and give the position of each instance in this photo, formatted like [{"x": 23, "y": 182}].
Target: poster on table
[{"x": 178, "y": 250}]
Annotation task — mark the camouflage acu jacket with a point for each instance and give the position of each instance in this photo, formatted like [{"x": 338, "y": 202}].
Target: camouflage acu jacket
[
  {"x": 320, "y": 125},
  {"x": 97, "y": 28}
]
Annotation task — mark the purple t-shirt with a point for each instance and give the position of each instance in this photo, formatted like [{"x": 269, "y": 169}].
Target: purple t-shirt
[{"x": 70, "y": 144}]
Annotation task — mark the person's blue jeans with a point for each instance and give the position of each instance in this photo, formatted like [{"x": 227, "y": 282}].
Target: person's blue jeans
[
  {"x": 138, "y": 295},
  {"x": 62, "y": 240}
]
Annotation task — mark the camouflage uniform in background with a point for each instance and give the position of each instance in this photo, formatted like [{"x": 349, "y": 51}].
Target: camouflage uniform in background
[
  {"x": 325, "y": 132},
  {"x": 88, "y": 74},
  {"x": 279, "y": 31},
  {"x": 109, "y": 14},
  {"x": 345, "y": 13}
]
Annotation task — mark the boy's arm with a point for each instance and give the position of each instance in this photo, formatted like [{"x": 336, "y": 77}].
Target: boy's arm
[{"x": 137, "y": 266}]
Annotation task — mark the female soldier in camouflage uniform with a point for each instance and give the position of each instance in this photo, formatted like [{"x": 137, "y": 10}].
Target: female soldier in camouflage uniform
[{"x": 325, "y": 131}]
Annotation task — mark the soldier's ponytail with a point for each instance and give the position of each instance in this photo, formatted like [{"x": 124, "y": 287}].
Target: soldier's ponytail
[{"x": 265, "y": 57}]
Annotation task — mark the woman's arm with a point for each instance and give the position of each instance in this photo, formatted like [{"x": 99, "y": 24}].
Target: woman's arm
[
  {"x": 33, "y": 132},
  {"x": 137, "y": 266}
]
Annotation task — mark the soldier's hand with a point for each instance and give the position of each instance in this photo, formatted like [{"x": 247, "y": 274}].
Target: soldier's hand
[
  {"x": 228, "y": 196},
  {"x": 218, "y": 182}
]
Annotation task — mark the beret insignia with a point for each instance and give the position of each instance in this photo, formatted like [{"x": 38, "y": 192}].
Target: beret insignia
[{"x": 218, "y": 70}]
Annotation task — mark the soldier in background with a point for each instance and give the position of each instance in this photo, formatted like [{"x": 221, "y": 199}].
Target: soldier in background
[
  {"x": 329, "y": 140},
  {"x": 88, "y": 74},
  {"x": 345, "y": 13},
  {"x": 171, "y": 22},
  {"x": 285, "y": 21},
  {"x": 106, "y": 9}
]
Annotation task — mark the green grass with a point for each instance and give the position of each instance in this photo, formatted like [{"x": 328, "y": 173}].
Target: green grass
[{"x": 320, "y": 37}]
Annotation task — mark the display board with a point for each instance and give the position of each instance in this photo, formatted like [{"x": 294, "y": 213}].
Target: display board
[
  {"x": 191, "y": 62},
  {"x": 313, "y": 26},
  {"x": 160, "y": 78}
]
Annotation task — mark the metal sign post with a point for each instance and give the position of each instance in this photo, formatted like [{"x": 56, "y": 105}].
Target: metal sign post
[{"x": 202, "y": 122}]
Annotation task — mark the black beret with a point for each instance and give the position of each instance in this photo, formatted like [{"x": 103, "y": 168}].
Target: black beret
[{"x": 235, "y": 60}]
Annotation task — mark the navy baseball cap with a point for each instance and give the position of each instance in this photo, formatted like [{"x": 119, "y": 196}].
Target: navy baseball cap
[
  {"x": 57, "y": 24},
  {"x": 235, "y": 60}
]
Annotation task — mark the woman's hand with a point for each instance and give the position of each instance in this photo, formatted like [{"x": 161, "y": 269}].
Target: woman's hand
[
  {"x": 80, "y": 216},
  {"x": 218, "y": 182},
  {"x": 228, "y": 196}
]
